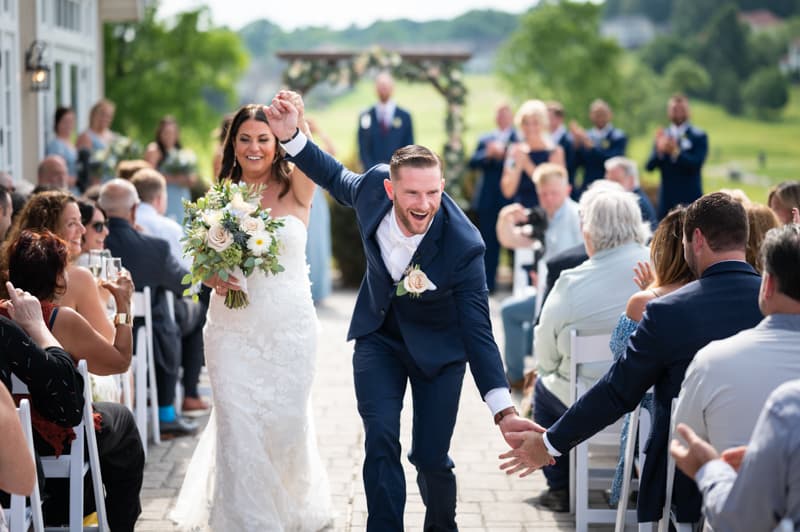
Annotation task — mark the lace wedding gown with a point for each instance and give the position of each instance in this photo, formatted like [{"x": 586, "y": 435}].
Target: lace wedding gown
[{"x": 257, "y": 466}]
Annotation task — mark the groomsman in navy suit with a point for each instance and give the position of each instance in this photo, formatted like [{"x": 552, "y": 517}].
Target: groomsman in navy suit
[
  {"x": 562, "y": 137},
  {"x": 384, "y": 127},
  {"x": 594, "y": 147},
  {"x": 487, "y": 201},
  {"x": 421, "y": 314},
  {"x": 679, "y": 152}
]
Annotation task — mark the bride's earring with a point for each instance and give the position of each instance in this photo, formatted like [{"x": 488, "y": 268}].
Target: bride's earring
[{"x": 234, "y": 162}]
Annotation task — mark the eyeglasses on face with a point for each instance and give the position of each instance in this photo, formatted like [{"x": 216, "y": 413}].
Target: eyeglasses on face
[{"x": 99, "y": 226}]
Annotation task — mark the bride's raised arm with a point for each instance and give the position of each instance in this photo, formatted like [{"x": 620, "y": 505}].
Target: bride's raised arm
[{"x": 302, "y": 187}]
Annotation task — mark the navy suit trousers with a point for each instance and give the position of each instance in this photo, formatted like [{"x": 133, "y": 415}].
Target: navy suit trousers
[{"x": 382, "y": 367}]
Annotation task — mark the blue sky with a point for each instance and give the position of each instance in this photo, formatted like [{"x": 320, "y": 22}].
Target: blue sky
[{"x": 335, "y": 14}]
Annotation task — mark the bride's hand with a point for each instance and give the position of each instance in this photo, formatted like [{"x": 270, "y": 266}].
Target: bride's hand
[{"x": 221, "y": 287}]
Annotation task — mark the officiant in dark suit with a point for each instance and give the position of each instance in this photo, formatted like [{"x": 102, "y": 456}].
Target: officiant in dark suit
[
  {"x": 384, "y": 127},
  {"x": 679, "y": 152},
  {"x": 421, "y": 314},
  {"x": 487, "y": 200}
]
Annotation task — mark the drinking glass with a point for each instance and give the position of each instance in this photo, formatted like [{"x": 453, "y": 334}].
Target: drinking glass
[
  {"x": 96, "y": 262},
  {"x": 112, "y": 267}
]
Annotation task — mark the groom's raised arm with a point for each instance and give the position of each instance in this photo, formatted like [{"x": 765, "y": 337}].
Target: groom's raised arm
[{"x": 319, "y": 166}]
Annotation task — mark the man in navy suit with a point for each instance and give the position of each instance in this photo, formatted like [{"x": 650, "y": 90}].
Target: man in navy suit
[
  {"x": 679, "y": 152},
  {"x": 422, "y": 313},
  {"x": 489, "y": 157},
  {"x": 720, "y": 303},
  {"x": 594, "y": 147},
  {"x": 562, "y": 137},
  {"x": 384, "y": 127}
]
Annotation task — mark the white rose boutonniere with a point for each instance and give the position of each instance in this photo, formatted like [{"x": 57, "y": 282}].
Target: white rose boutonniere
[
  {"x": 218, "y": 238},
  {"x": 414, "y": 283}
]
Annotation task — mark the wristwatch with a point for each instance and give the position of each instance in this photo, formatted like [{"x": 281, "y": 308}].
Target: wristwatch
[
  {"x": 503, "y": 413},
  {"x": 290, "y": 139},
  {"x": 123, "y": 318}
]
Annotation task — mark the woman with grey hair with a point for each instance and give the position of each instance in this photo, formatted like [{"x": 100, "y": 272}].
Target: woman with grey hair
[{"x": 587, "y": 298}]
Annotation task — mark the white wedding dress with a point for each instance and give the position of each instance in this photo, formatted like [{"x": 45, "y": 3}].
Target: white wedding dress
[{"x": 257, "y": 466}]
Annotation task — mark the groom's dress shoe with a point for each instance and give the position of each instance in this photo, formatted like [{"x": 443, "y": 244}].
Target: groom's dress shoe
[{"x": 180, "y": 427}]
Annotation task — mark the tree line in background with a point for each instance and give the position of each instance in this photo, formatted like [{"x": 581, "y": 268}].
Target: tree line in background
[
  {"x": 192, "y": 69},
  {"x": 558, "y": 52}
]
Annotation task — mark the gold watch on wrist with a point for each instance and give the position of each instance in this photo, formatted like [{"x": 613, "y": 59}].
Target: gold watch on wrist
[{"x": 123, "y": 318}]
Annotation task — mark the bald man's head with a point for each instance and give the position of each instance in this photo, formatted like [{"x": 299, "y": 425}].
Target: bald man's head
[{"x": 53, "y": 171}]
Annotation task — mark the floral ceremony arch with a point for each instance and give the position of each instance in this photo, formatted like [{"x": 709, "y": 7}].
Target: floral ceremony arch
[{"x": 443, "y": 70}]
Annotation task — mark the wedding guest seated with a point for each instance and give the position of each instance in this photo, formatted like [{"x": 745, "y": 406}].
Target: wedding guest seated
[
  {"x": 52, "y": 172},
  {"x": 765, "y": 493},
  {"x": 140, "y": 253},
  {"x": 37, "y": 263},
  {"x": 669, "y": 272},
  {"x": 624, "y": 171},
  {"x": 58, "y": 212},
  {"x": 729, "y": 380},
  {"x": 17, "y": 468},
  {"x": 760, "y": 219},
  {"x": 563, "y": 231},
  {"x": 589, "y": 297},
  {"x": 783, "y": 198},
  {"x": 151, "y": 216},
  {"x": 94, "y": 221},
  {"x": 29, "y": 351}
]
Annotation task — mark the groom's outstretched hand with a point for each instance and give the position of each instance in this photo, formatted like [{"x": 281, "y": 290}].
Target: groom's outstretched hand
[{"x": 282, "y": 115}]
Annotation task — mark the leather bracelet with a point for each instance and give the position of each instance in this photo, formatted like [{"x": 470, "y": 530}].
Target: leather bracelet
[
  {"x": 498, "y": 417},
  {"x": 123, "y": 318},
  {"x": 290, "y": 139}
]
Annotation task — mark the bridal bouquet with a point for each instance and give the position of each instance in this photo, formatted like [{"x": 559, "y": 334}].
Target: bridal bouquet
[{"x": 227, "y": 232}]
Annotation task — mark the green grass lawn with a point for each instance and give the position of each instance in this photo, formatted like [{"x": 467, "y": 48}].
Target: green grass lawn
[{"x": 734, "y": 141}]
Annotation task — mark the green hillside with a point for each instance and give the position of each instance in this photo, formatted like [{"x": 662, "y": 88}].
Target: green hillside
[{"x": 735, "y": 141}]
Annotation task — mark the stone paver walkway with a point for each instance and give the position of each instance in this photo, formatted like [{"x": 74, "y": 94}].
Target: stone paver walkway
[{"x": 488, "y": 500}]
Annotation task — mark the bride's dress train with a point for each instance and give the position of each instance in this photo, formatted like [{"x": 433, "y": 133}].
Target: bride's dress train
[{"x": 257, "y": 466}]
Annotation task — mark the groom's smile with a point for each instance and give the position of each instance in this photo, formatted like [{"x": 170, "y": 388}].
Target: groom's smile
[{"x": 417, "y": 195}]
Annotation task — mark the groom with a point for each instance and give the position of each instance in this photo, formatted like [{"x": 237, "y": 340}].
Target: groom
[{"x": 422, "y": 331}]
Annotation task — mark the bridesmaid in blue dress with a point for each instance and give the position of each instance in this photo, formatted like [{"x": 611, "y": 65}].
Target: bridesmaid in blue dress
[
  {"x": 318, "y": 244},
  {"x": 670, "y": 273},
  {"x": 177, "y": 164},
  {"x": 533, "y": 123},
  {"x": 97, "y": 137},
  {"x": 62, "y": 144}
]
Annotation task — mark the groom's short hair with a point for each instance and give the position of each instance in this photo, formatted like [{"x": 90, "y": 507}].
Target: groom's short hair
[{"x": 414, "y": 156}]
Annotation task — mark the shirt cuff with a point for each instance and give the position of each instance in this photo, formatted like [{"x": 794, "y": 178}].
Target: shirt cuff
[
  {"x": 498, "y": 399},
  {"x": 296, "y": 145},
  {"x": 550, "y": 449},
  {"x": 709, "y": 467}
]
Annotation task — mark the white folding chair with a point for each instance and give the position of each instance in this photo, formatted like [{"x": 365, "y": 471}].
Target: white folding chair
[
  {"x": 144, "y": 368},
  {"x": 20, "y": 515},
  {"x": 639, "y": 420},
  {"x": 73, "y": 466},
  {"x": 170, "y": 299},
  {"x": 666, "y": 515},
  {"x": 591, "y": 349}
]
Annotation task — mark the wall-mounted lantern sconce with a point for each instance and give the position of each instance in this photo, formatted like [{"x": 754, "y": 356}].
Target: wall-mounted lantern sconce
[{"x": 39, "y": 72}]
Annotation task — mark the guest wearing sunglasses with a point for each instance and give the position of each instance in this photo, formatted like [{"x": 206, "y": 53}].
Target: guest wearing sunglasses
[{"x": 94, "y": 220}]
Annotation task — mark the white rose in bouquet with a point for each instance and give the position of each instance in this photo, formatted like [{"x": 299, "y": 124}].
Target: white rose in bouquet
[
  {"x": 218, "y": 238},
  {"x": 252, "y": 225},
  {"x": 241, "y": 206}
]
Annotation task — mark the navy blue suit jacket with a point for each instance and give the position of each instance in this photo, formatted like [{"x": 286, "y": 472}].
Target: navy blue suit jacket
[
  {"x": 567, "y": 143},
  {"x": 489, "y": 198},
  {"x": 681, "y": 179},
  {"x": 646, "y": 206},
  {"x": 376, "y": 145},
  {"x": 721, "y": 303},
  {"x": 593, "y": 159},
  {"x": 443, "y": 326}
]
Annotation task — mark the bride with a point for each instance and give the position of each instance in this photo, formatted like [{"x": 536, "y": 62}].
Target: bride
[{"x": 257, "y": 466}]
